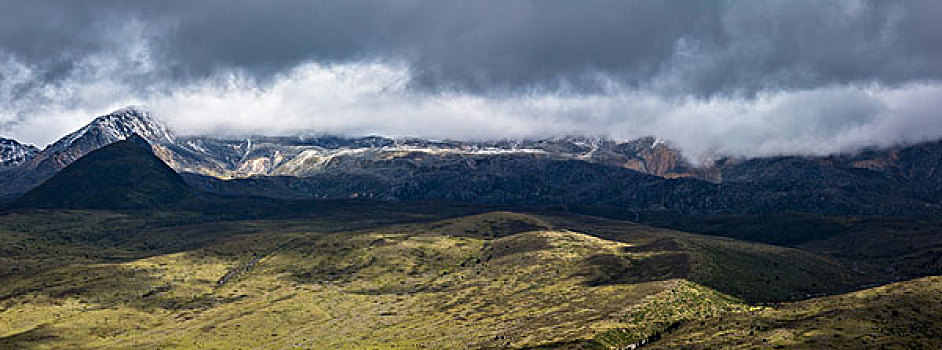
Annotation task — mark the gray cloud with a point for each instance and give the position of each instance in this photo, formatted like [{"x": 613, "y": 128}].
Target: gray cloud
[
  {"x": 738, "y": 77},
  {"x": 713, "y": 46}
]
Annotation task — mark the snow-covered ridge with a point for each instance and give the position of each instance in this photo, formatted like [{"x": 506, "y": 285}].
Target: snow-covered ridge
[
  {"x": 13, "y": 153},
  {"x": 100, "y": 132},
  {"x": 117, "y": 126},
  {"x": 304, "y": 156},
  {"x": 309, "y": 155}
]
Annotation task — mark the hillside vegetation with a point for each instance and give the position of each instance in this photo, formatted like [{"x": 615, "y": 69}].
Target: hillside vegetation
[
  {"x": 100, "y": 279},
  {"x": 902, "y": 315}
]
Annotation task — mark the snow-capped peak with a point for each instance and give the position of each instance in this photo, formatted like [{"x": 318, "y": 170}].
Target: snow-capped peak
[
  {"x": 658, "y": 142},
  {"x": 118, "y": 125},
  {"x": 13, "y": 153},
  {"x": 100, "y": 132}
]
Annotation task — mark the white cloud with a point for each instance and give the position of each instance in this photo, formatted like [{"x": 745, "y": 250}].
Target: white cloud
[{"x": 375, "y": 97}]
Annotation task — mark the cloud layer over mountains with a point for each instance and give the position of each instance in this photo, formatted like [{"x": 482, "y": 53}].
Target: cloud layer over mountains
[{"x": 731, "y": 77}]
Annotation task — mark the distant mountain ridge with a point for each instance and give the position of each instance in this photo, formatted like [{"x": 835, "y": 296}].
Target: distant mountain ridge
[
  {"x": 641, "y": 174},
  {"x": 293, "y": 156},
  {"x": 297, "y": 156}
]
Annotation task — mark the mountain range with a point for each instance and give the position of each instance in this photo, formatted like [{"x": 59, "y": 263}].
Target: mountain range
[
  {"x": 641, "y": 174},
  {"x": 131, "y": 237}
]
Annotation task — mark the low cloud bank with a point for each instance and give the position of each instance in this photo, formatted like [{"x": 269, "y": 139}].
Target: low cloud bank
[{"x": 364, "y": 98}]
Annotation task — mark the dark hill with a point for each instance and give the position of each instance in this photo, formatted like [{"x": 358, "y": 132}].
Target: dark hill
[{"x": 122, "y": 175}]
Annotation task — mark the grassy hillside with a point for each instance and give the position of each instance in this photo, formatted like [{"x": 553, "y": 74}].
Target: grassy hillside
[
  {"x": 903, "y": 315},
  {"x": 885, "y": 249},
  {"x": 752, "y": 271},
  {"x": 385, "y": 279}
]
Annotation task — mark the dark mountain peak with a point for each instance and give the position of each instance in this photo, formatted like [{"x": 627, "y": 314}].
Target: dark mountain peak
[
  {"x": 123, "y": 175},
  {"x": 13, "y": 153},
  {"x": 140, "y": 141}
]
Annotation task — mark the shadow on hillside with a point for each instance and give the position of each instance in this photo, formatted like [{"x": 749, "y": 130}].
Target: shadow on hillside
[
  {"x": 569, "y": 345},
  {"x": 70, "y": 253},
  {"x": 606, "y": 269},
  {"x": 756, "y": 273},
  {"x": 657, "y": 260},
  {"x": 902, "y": 315},
  {"x": 37, "y": 338}
]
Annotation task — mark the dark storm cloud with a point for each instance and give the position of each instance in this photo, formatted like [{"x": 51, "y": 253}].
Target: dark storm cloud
[
  {"x": 734, "y": 77},
  {"x": 711, "y": 46}
]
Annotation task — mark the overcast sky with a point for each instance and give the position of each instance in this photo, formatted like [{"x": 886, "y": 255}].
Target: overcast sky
[{"x": 730, "y": 77}]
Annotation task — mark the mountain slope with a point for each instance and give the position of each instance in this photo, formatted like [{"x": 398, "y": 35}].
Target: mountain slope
[
  {"x": 536, "y": 180},
  {"x": 919, "y": 166},
  {"x": 903, "y": 315},
  {"x": 122, "y": 175}
]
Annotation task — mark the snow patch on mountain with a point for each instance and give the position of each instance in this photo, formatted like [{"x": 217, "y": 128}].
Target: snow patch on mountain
[
  {"x": 118, "y": 125},
  {"x": 13, "y": 153}
]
